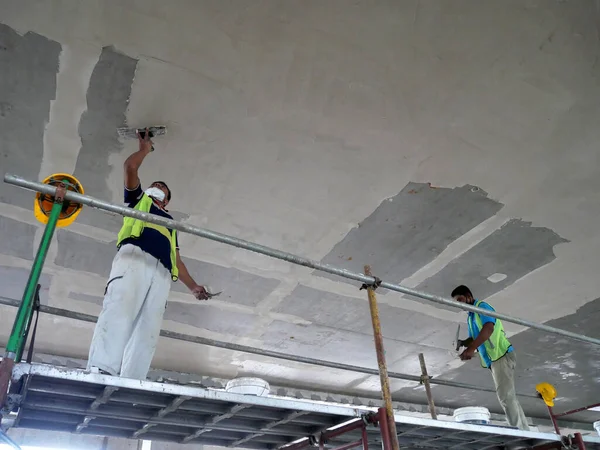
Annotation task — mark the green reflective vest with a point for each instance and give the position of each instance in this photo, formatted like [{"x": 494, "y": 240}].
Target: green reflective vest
[
  {"x": 134, "y": 227},
  {"x": 497, "y": 345}
]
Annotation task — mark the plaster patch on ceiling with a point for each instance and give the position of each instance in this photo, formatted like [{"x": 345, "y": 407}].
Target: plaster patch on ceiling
[
  {"x": 97, "y": 300},
  {"x": 16, "y": 238},
  {"x": 28, "y": 68},
  {"x": 333, "y": 344},
  {"x": 238, "y": 287},
  {"x": 497, "y": 277},
  {"x": 352, "y": 314},
  {"x": 515, "y": 250},
  {"x": 85, "y": 254},
  {"x": 410, "y": 230},
  {"x": 107, "y": 101},
  {"x": 209, "y": 317},
  {"x": 14, "y": 280}
]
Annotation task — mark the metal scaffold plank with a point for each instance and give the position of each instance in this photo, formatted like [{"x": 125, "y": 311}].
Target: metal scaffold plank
[
  {"x": 268, "y": 426},
  {"x": 208, "y": 426},
  {"x": 100, "y": 400},
  {"x": 62, "y": 399},
  {"x": 172, "y": 407}
]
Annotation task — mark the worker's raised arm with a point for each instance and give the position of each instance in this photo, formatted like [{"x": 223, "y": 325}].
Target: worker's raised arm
[{"x": 133, "y": 163}]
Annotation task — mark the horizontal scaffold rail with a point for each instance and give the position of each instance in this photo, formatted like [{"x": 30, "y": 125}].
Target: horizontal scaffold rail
[
  {"x": 261, "y": 352},
  {"x": 284, "y": 256}
]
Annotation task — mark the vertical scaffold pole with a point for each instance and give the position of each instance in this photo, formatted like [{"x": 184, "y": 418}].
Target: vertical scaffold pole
[
  {"x": 579, "y": 441},
  {"x": 18, "y": 336},
  {"x": 425, "y": 381},
  {"x": 383, "y": 373}
]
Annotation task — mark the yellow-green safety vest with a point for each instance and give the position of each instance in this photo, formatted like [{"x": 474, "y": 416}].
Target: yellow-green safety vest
[
  {"x": 497, "y": 345},
  {"x": 132, "y": 228}
]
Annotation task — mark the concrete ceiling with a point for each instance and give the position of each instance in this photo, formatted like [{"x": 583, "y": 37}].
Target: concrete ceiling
[{"x": 440, "y": 142}]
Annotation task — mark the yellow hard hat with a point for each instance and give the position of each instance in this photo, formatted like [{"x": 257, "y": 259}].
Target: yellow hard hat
[
  {"x": 547, "y": 392},
  {"x": 43, "y": 203}
]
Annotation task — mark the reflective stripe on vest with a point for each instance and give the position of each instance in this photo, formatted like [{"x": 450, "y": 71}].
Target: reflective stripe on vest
[
  {"x": 132, "y": 228},
  {"x": 497, "y": 345}
]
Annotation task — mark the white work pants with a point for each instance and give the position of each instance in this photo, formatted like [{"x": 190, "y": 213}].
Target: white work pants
[
  {"x": 129, "y": 325},
  {"x": 503, "y": 371}
]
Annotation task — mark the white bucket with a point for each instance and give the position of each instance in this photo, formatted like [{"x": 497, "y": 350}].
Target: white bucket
[
  {"x": 597, "y": 427},
  {"x": 248, "y": 386},
  {"x": 472, "y": 414}
]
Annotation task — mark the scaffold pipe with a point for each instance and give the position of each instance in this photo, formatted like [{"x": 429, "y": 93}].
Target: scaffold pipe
[
  {"x": 263, "y": 352},
  {"x": 284, "y": 256}
]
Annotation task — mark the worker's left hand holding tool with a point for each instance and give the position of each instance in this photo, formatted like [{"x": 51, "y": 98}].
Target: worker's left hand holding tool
[
  {"x": 200, "y": 292},
  {"x": 467, "y": 354}
]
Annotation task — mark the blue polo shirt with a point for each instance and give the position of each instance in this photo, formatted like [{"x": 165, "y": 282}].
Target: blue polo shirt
[
  {"x": 473, "y": 333},
  {"x": 151, "y": 241}
]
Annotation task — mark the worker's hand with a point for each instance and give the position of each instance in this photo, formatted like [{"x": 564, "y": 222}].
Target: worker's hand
[
  {"x": 200, "y": 292},
  {"x": 465, "y": 342},
  {"x": 145, "y": 143},
  {"x": 467, "y": 354}
]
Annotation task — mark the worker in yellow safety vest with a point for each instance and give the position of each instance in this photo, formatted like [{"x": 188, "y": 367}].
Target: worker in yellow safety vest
[
  {"x": 135, "y": 298},
  {"x": 486, "y": 336}
]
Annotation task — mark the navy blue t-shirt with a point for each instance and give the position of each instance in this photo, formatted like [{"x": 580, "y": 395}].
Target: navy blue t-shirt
[{"x": 151, "y": 241}]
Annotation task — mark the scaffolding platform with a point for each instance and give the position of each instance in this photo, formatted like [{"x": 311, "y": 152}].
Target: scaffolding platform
[{"x": 75, "y": 401}]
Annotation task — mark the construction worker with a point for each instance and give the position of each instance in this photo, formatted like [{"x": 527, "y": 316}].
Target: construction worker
[
  {"x": 135, "y": 298},
  {"x": 486, "y": 335}
]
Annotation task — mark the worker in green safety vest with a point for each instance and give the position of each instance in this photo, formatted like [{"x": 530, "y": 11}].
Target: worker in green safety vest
[
  {"x": 146, "y": 264},
  {"x": 487, "y": 337}
]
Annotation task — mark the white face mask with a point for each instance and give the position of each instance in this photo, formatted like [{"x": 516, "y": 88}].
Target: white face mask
[{"x": 155, "y": 193}]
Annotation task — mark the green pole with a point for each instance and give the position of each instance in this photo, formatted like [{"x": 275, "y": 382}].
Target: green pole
[{"x": 16, "y": 341}]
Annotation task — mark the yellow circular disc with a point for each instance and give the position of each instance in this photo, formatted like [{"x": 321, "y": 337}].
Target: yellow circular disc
[{"x": 43, "y": 203}]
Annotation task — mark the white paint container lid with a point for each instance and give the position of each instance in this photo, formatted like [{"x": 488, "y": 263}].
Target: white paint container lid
[
  {"x": 597, "y": 427},
  {"x": 248, "y": 386},
  {"x": 472, "y": 414}
]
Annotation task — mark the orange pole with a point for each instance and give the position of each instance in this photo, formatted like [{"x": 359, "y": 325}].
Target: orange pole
[{"x": 383, "y": 373}]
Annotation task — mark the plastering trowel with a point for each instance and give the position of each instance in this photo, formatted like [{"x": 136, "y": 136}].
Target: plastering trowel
[
  {"x": 458, "y": 343},
  {"x": 132, "y": 133}
]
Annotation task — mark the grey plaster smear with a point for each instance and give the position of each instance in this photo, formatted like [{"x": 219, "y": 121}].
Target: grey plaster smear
[
  {"x": 514, "y": 250},
  {"x": 28, "y": 68},
  {"x": 238, "y": 286},
  {"x": 410, "y": 230},
  {"x": 572, "y": 367},
  {"x": 107, "y": 100},
  {"x": 86, "y": 254},
  {"x": 14, "y": 280},
  {"x": 208, "y": 317},
  {"x": 353, "y": 314},
  {"x": 16, "y": 238},
  {"x": 329, "y": 344},
  {"x": 97, "y": 300}
]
